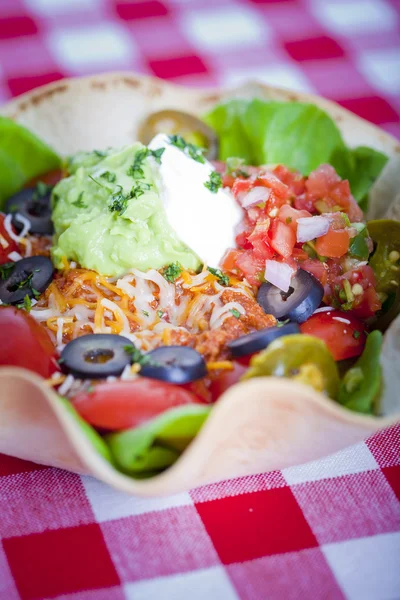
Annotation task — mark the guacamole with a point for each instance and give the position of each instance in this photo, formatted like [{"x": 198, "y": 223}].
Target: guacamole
[{"x": 108, "y": 215}]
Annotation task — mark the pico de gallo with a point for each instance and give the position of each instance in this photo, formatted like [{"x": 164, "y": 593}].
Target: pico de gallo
[{"x": 303, "y": 291}]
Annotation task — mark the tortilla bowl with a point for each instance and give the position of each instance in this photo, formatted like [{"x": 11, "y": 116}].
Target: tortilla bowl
[{"x": 257, "y": 425}]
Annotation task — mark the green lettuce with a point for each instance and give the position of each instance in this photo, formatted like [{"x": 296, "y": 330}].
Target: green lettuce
[
  {"x": 23, "y": 156},
  {"x": 300, "y": 136},
  {"x": 146, "y": 450}
]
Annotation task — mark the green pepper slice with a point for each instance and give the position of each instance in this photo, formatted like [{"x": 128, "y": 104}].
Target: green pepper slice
[
  {"x": 385, "y": 262},
  {"x": 361, "y": 385},
  {"x": 300, "y": 357}
]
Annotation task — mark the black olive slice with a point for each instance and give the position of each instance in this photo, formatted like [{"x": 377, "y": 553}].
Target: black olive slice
[
  {"x": 34, "y": 207},
  {"x": 96, "y": 356},
  {"x": 175, "y": 364},
  {"x": 28, "y": 276},
  {"x": 298, "y": 304},
  {"x": 259, "y": 340}
]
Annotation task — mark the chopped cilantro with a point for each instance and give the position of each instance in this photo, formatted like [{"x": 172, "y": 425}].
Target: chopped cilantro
[
  {"x": 41, "y": 191},
  {"x": 172, "y": 272},
  {"x": 160, "y": 314},
  {"x": 214, "y": 183},
  {"x": 139, "y": 189},
  {"x": 146, "y": 313},
  {"x": 118, "y": 202},
  {"x": 356, "y": 334},
  {"x": 282, "y": 323},
  {"x": 108, "y": 176},
  {"x": 191, "y": 150},
  {"x": 136, "y": 169},
  {"x": 137, "y": 356},
  {"x": 79, "y": 202},
  {"x": 222, "y": 278},
  {"x": 26, "y": 304},
  {"x": 6, "y": 269},
  {"x": 235, "y": 313}
]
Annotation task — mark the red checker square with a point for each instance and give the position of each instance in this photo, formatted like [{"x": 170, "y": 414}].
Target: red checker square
[
  {"x": 9, "y": 465},
  {"x": 258, "y": 524},
  {"x": 336, "y": 78},
  {"x": 26, "y": 56},
  {"x": 20, "y": 85},
  {"x": 349, "y": 507},
  {"x": 159, "y": 543},
  {"x": 17, "y": 26},
  {"x": 60, "y": 562},
  {"x": 130, "y": 11},
  {"x": 177, "y": 66},
  {"x": 293, "y": 575},
  {"x": 12, "y": 7},
  {"x": 317, "y": 48},
  {"x": 160, "y": 38},
  {"x": 39, "y": 500},
  {"x": 373, "y": 108},
  {"x": 241, "y": 485},
  {"x": 385, "y": 446},
  {"x": 392, "y": 474}
]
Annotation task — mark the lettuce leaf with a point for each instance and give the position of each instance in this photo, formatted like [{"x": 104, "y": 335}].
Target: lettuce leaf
[
  {"x": 23, "y": 156},
  {"x": 300, "y": 136},
  {"x": 146, "y": 450}
]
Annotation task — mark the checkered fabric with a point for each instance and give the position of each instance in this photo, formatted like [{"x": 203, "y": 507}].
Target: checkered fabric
[{"x": 326, "y": 530}]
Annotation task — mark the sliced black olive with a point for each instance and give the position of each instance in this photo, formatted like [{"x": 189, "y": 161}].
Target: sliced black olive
[
  {"x": 298, "y": 304},
  {"x": 33, "y": 206},
  {"x": 28, "y": 276},
  {"x": 191, "y": 128},
  {"x": 175, "y": 364},
  {"x": 259, "y": 340},
  {"x": 96, "y": 356}
]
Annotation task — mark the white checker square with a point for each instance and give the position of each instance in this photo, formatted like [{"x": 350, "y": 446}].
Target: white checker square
[
  {"x": 381, "y": 67},
  {"x": 355, "y": 459},
  {"x": 108, "y": 504},
  {"x": 224, "y": 28},
  {"x": 50, "y": 8},
  {"x": 352, "y": 17},
  {"x": 104, "y": 45},
  {"x": 196, "y": 585},
  {"x": 367, "y": 568},
  {"x": 284, "y": 75}
]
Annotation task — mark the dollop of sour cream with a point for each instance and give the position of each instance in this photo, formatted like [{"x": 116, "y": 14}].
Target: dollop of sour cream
[{"x": 203, "y": 220}]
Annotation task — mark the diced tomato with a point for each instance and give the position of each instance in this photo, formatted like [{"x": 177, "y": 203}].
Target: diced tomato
[
  {"x": 293, "y": 179},
  {"x": 272, "y": 182},
  {"x": 251, "y": 266},
  {"x": 282, "y": 237},
  {"x": 242, "y": 187},
  {"x": 228, "y": 262},
  {"x": 316, "y": 268},
  {"x": 342, "y": 333},
  {"x": 226, "y": 380},
  {"x": 324, "y": 183},
  {"x": 299, "y": 254},
  {"x": 7, "y": 244},
  {"x": 200, "y": 389},
  {"x": 242, "y": 240},
  {"x": 289, "y": 215},
  {"x": 50, "y": 178},
  {"x": 25, "y": 343},
  {"x": 262, "y": 249},
  {"x": 304, "y": 202},
  {"x": 333, "y": 244},
  {"x": 125, "y": 404},
  {"x": 367, "y": 305}
]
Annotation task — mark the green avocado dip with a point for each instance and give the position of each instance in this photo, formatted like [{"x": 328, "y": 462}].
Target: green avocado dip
[{"x": 108, "y": 215}]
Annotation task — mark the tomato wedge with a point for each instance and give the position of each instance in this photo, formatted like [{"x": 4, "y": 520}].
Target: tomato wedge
[
  {"x": 7, "y": 245},
  {"x": 333, "y": 244},
  {"x": 343, "y": 334},
  {"x": 125, "y": 404},
  {"x": 25, "y": 343}
]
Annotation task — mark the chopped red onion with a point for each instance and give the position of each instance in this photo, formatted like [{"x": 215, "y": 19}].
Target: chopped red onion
[
  {"x": 255, "y": 196},
  {"x": 309, "y": 228},
  {"x": 279, "y": 274}
]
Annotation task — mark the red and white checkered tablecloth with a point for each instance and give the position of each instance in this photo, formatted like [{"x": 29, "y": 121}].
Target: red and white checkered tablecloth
[{"x": 327, "y": 530}]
